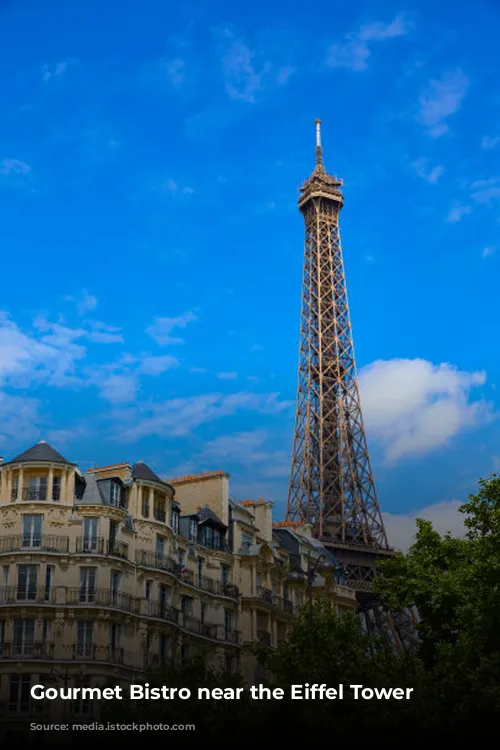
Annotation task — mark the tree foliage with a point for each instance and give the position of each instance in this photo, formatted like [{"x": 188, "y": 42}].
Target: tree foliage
[{"x": 454, "y": 672}]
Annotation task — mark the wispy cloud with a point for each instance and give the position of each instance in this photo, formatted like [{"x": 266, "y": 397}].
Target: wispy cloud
[
  {"x": 248, "y": 70},
  {"x": 488, "y": 251},
  {"x": 442, "y": 99},
  {"x": 181, "y": 416},
  {"x": 227, "y": 375},
  {"x": 426, "y": 172},
  {"x": 457, "y": 213},
  {"x": 490, "y": 142},
  {"x": 354, "y": 51},
  {"x": 160, "y": 330},
  {"x": 14, "y": 167},
  {"x": 56, "y": 70}
]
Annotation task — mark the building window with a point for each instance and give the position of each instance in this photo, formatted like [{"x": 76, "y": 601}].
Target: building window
[
  {"x": 163, "y": 600},
  {"x": 114, "y": 638},
  {"x": 193, "y": 530},
  {"x": 37, "y": 489},
  {"x": 182, "y": 560},
  {"x": 230, "y": 663},
  {"x": 84, "y": 638},
  {"x": 115, "y": 493},
  {"x": 87, "y": 584},
  {"x": 145, "y": 506},
  {"x": 19, "y": 693},
  {"x": 164, "y": 649},
  {"x": 246, "y": 542},
  {"x": 175, "y": 521},
  {"x": 228, "y": 623},
  {"x": 49, "y": 572},
  {"x": 24, "y": 637},
  {"x": 82, "y": 705},
  {"x": 113, "y": 532},
  {"x": 203, "y": 612},
  {"x": 27, "y": 577},
  {"x": 217, "y": 540},
  {"x": 46, "y": 627},
  {"x": 6, "y": 569},
  {"x": 56, "y": 489},
  {"x": 224, "y": 574},
  {"x": 32, "y": 531},
  {"x": 90, "y": 530},
  {"x": 160, "y": 551},
  {"x": 114, "y": 585},
  {"x": 200, "y": 570}
]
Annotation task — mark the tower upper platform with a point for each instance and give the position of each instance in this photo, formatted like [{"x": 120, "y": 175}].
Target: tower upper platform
[{"x": 320, "y": 184}]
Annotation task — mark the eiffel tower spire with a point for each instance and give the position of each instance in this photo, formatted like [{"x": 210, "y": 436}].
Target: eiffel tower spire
[{"x": 331, "y": 483}]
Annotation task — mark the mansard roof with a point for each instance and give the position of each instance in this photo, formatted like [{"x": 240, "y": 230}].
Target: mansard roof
[
  {"x": 41, "y": 451},
  {"x": 140, "y": 470}
]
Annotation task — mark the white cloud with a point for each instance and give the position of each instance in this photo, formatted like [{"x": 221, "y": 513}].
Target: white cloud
[
  {"x": 401, "y": 528},
  {"x": 246, "y": 71},
  {"x": 14, "y": 166},
  {"x": 150, "y": 365},
  {"x": 487, "y": 251},
  {"x": 55, "y": 71},
  {"x": 355, "y": 49},
  {"x": 19, "y": 417},
  {"x": 180, "y": 416},
  {"x": 423, "y": 170},
  {"x": 489, "y": 142},
  {"x": 414, "y": 406},
  {"x": 485, "y": 191},
  {"x": 227, "y": 375},
  {"x": 248, "y": 449},
  {"x": 161, "y": 328},
  {"x": 457, "y": 213},
  {"x": 118, "y": 389},
  {"x": 442, "y": 99}
]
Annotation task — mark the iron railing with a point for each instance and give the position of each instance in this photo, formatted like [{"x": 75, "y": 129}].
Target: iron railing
[
  {"x": 101, "y": 546},
  {"x": 34, "y": 543},
  {"x": 26, "y": 650},
  {"x": 26, "y": 593}
]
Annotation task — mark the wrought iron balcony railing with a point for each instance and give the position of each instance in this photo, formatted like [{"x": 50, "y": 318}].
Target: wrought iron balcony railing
[
  {"x": 35, "y": 495},
  {"x": 26, "y": 593},
  {"x": 34, "y": 542},
  {"x": 89, "y": 596},
  {"x": 156, "y": 560},
  {"x": 101, "y": 546},
  {"x": 162, "y": 610},
  {"x": 26, "y": 650}
]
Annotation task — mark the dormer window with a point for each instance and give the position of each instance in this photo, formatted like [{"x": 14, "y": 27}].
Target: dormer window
[
  {"x": 175, "y": 521},
  {"x": 115, "y": 493},
  {"x": 193, "y": 530}
]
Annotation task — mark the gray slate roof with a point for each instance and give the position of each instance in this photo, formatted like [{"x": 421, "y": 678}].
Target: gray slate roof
[
  {"x": 141, "y": 471},
  {"x": 92, "y": 494},
  {"x": 42, "y": 451},
  {"x": 207, "y": 514}
]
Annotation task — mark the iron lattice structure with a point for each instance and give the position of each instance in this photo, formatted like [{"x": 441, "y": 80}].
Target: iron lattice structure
[{"x": 331, "y": 485}]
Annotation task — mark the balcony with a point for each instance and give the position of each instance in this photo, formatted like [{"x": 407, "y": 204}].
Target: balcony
[
  {"x": 90, "y": 652},
  {"x": 266, "y": 595},
  {"x": 193, "y": 625},
  {"x": 86, "y": 597},
  {"x": 156, "y": 661},
  {"x": 156, "y": 560},
  {"x": 30, "y": 543},
  {"x": 35, "y": 495},
  {"x": 162, "y": 610},
  {"x": 101, "y": 546},
  {"x": 26, "y": 650},
  {"x": 219, "y": 588},
  {"x": 26, "y": 594}
]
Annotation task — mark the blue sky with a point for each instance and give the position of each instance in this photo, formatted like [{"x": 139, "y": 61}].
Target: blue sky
[{"x": 150, "y": 159}]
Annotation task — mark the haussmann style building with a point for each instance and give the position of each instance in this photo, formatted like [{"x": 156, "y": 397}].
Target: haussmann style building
[{"x": 112, "y": 572}]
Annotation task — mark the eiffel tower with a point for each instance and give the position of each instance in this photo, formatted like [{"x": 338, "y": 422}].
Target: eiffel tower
[{"x": 331, "y": 484}]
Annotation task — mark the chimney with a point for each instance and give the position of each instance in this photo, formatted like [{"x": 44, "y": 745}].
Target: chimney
[{"x": 2, "y": 460}]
